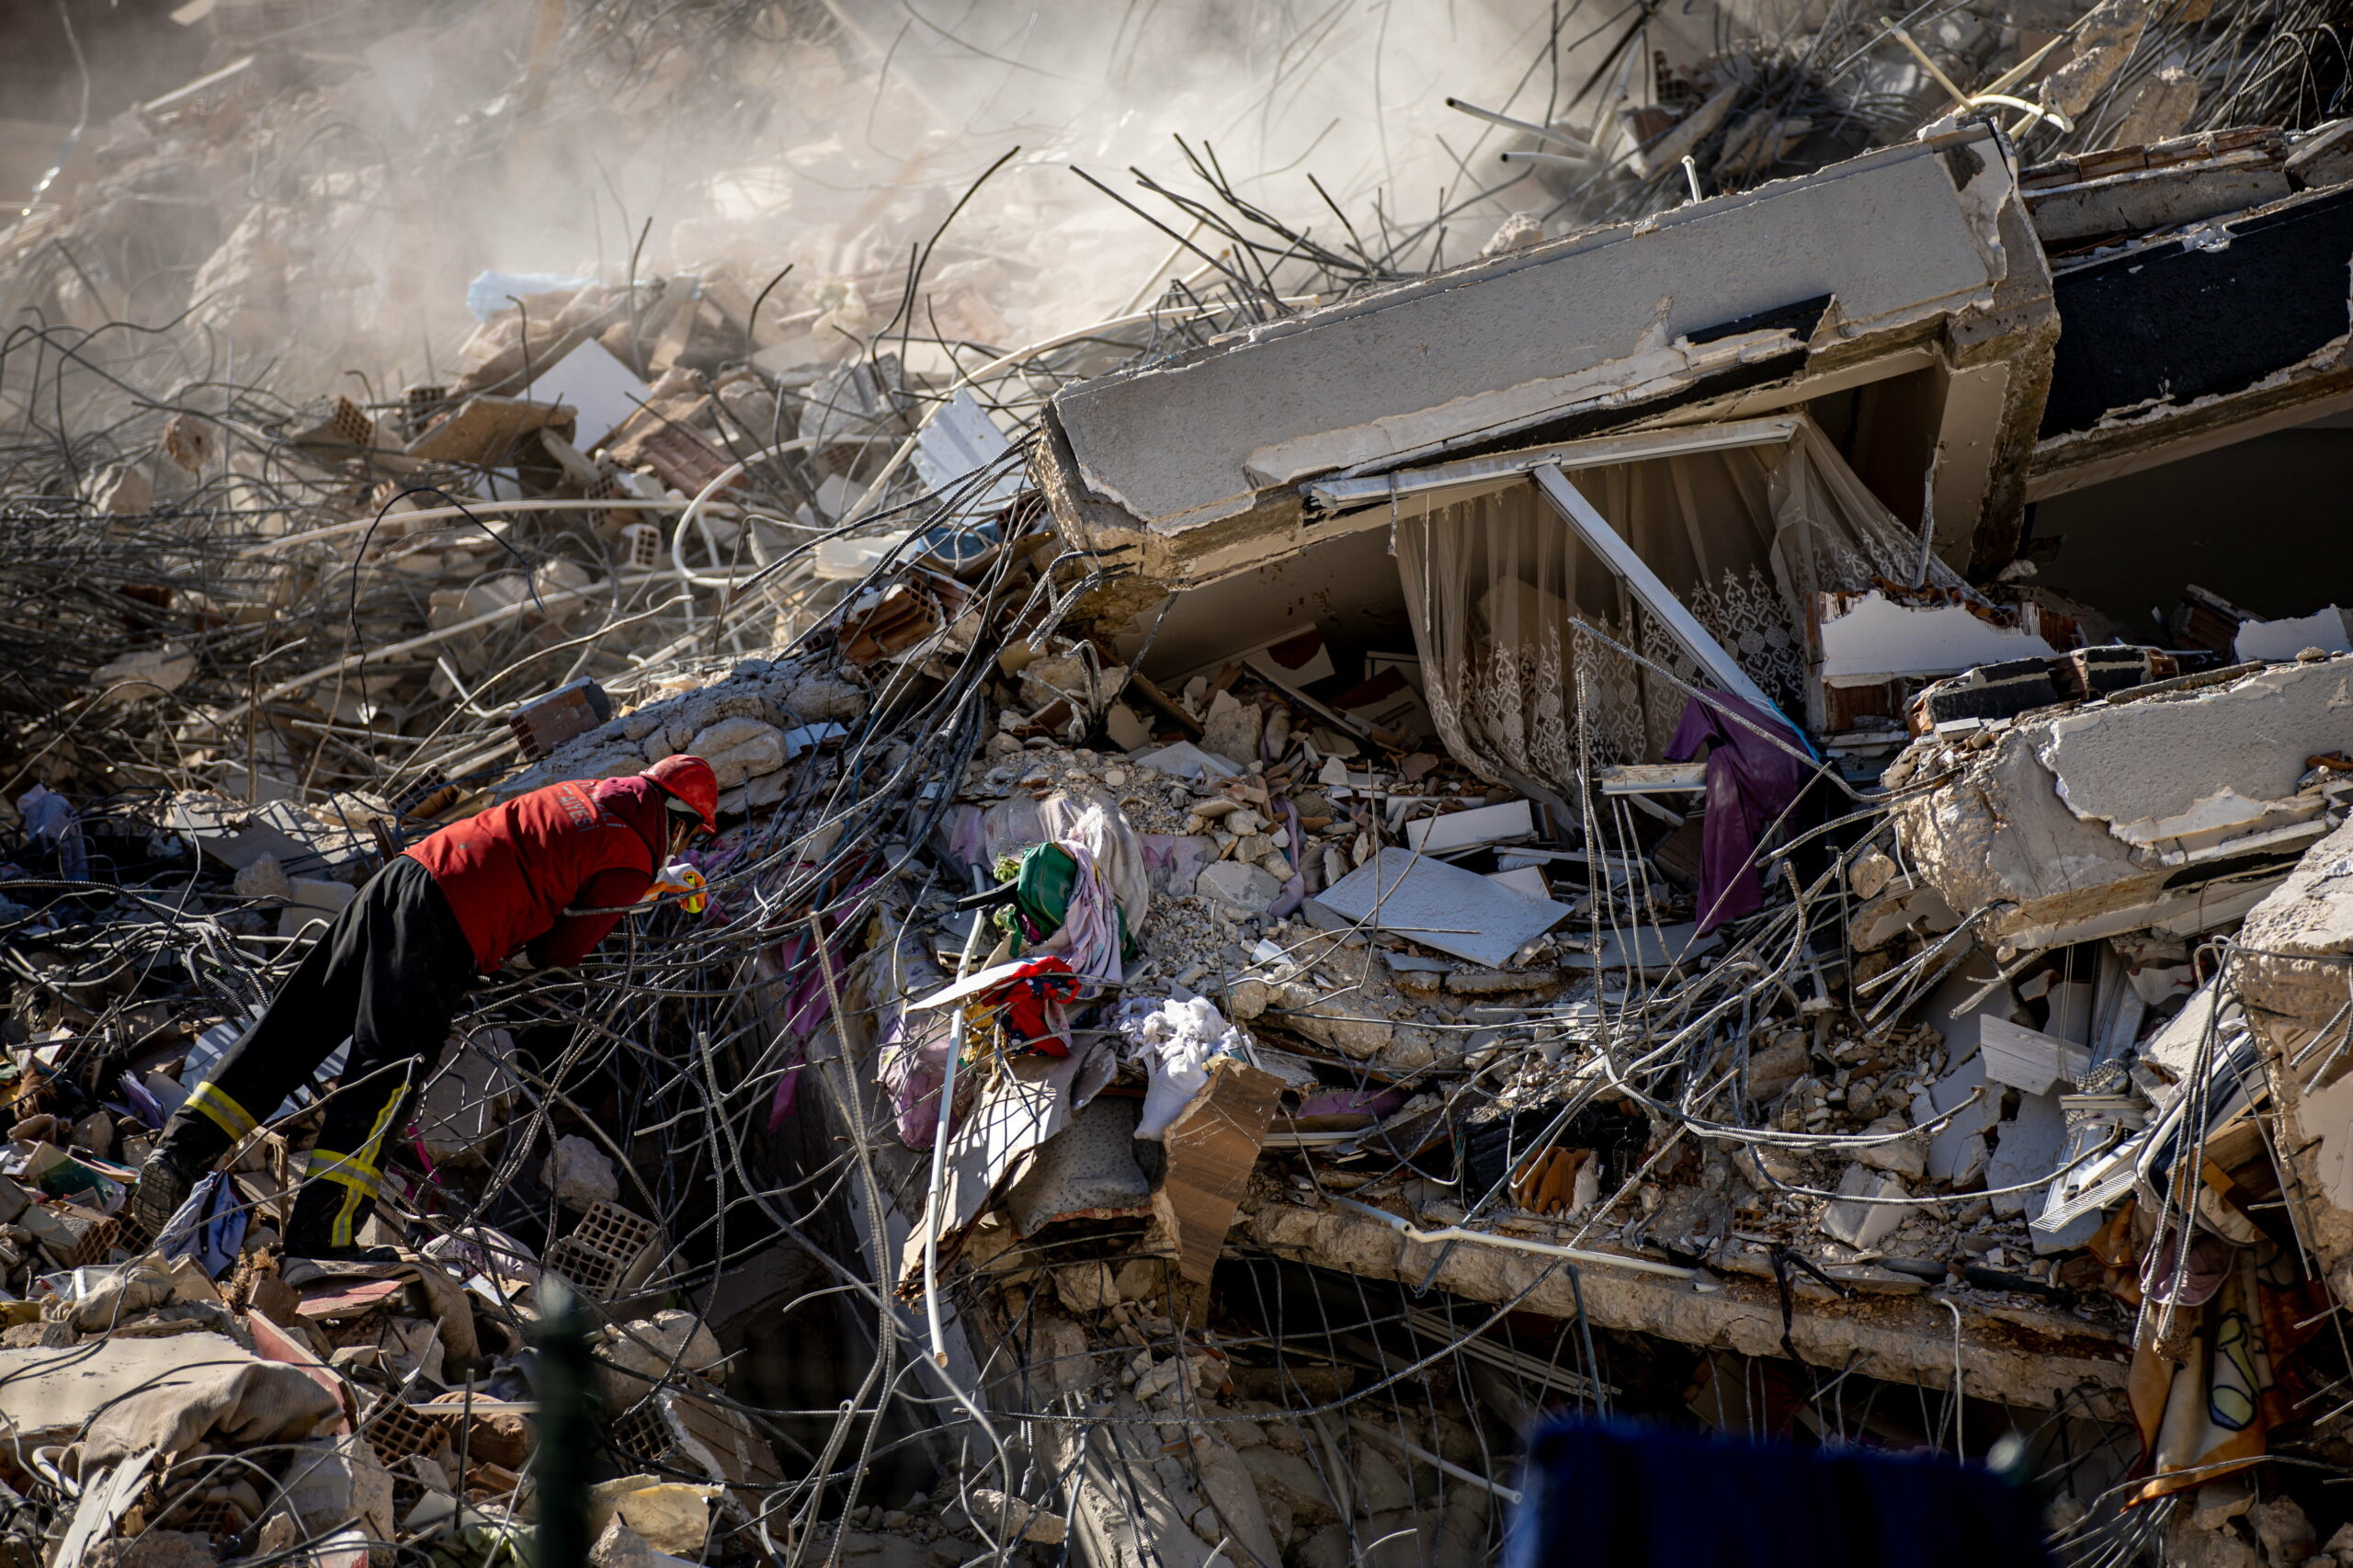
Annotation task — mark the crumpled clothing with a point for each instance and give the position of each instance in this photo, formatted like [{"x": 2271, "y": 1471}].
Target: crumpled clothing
[
  {"x": 1100, "y": 825},
  {"x": 209, "y": 1226},
  {"x": 484, "y": 1250},
  {"x": 1089, "y": 935},
  {"x": 214, "y": 1390},
  {"x": 809, "y": 978},
  {"x": 1032, "y": 1003},
  {"x": 1175, "y": 1040},
  {"x": 913, "y": 1068},
  {"x": 1751, "y": 783},
  {"x": 2211, "y": 1259},
  {"x": 982, "y": 836},
  {"x": 1029, "y": 998},
  {"x": 911, "y": 1048}
]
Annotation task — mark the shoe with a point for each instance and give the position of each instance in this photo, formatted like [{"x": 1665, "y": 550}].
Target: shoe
[{"x": 164, "y": 1185}]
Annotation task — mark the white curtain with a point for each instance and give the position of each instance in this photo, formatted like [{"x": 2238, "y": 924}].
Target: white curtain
[{"x": 1503, "y": 597}]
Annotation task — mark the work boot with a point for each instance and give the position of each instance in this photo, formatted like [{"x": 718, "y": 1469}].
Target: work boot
[
  {"x": 164, "y": 1182},
  {"x": 310, "y": 1230}
]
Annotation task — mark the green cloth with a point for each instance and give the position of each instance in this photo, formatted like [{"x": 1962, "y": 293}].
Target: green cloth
[{"x": 1041, "y": 887}]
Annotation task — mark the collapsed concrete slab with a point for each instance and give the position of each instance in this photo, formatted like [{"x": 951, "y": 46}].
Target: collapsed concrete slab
[
  {"x": 2291, "y": 962},
  {"x": 2126, "y": 190},
  {"x": 2182, "y": 343},
  {"x": 2173, "y": 812},
  {"x": 1910, "y": 258}
]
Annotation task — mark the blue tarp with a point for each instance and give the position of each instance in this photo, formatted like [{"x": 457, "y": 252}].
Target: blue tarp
[{"x": 1631, "y": 1496}]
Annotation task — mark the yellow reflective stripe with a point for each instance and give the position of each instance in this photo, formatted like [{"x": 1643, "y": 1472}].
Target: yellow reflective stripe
[
  {"x": 357, "y": 1189},
  {"x": 372, "y": 1150},
  {"x": 360, "y": 1175},
  {"x": 225, "y": 1112},
  {"x": 346, "y": 1170}
]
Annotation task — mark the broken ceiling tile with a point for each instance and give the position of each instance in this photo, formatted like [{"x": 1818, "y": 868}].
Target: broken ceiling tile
[
  {"x": 1954, "y": 1147},
  {"x": 2276, "y": 641},
  {"x": 2028, "y": 1058},
  {"x": 2031, "y": 1147},
  {"x": 1869, "y": 637},
  {"x": 1479, "y": 827},
  {"x": 1440, "y": 906},
  {"x": 959, "y": 441},
  {"x": 599, "y": 390},
  {"x": 1860, "y": 1223}
]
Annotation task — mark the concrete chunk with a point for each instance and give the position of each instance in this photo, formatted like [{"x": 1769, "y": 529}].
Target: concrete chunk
[
  {"x": 2106, "y": 819},
  {"x": 1864, "y": 1224}
]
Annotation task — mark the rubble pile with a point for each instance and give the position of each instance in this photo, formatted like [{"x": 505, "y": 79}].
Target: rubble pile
[{"x": 1336, "y": 834}]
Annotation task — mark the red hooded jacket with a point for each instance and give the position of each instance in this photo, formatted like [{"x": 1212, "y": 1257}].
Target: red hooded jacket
[{"x": 510, "y": 873}]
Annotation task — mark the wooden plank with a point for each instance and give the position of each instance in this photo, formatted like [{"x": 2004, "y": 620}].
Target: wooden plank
[{"x": 1655, "y": 779}]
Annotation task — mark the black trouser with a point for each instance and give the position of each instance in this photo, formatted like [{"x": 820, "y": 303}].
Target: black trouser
[{"x": 389, "y": 974}]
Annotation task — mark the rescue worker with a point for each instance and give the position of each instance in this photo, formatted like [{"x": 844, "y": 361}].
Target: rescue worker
[{"x": 533, "y": 884}]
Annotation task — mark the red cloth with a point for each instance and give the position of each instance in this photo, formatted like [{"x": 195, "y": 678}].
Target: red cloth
[
  {"x": 510, "y": 873},
  {"x": 1032, "y": 1001}
]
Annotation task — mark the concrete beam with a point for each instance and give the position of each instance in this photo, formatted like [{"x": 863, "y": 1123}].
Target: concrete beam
[
  {"x": 2024, "y": 1357},
  {"x": 1919, "y": 252},
  {"x": 2290, "y": 965},
  {"x": 2156, "y": 199}
]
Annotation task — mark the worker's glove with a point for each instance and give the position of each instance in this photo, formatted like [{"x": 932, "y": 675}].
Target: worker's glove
[
  {"x": 518, "y": 962},
  {"x": 682, "y": 882}
]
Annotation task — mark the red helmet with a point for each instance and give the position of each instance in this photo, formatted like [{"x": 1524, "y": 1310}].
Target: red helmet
[{"x": 690, "y": 781}]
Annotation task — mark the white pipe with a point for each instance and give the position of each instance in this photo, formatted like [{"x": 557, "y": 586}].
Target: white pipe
[
  {"x": 1445, "y": 1467},
  {"x": 2035, "y": 111},
  {"x": 1413, "y": 1232},
  {"x": 1586, "y": 150},
  {"x": 932, "y": 1215},
  {"x": 437, "y": 513}
]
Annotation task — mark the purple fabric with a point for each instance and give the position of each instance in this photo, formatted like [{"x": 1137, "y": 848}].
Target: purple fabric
[
  {"x": 913, "y": 1057},
  {"x": 1374, "y": 1103},
  {"x": 805, "y": 1001},
  {"x": 807, "y": 994},
  {"x": 1751, "y": 781}
]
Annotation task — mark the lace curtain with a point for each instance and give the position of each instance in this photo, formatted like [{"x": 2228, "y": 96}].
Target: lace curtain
[{"x": 1503, "y": 598}]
